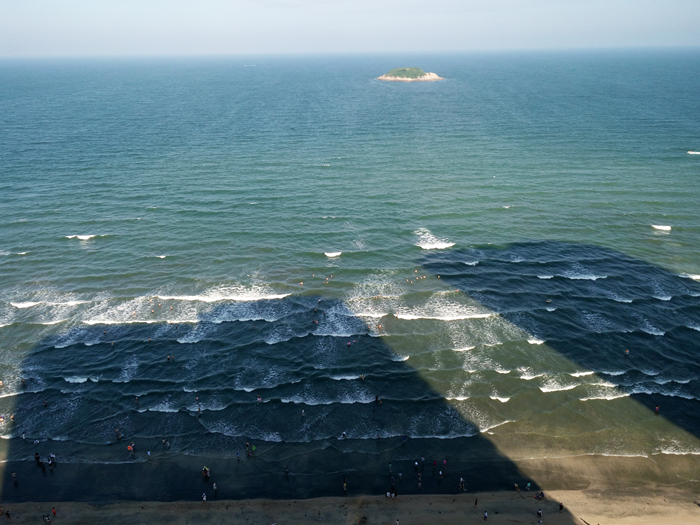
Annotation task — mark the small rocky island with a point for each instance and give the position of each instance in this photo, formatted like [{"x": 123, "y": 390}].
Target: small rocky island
[{"x": 409, "y": 74}]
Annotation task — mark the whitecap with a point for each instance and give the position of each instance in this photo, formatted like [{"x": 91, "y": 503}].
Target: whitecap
[
  {"x": 456, "y": 317},
  {"x": 535, "y": 341},
  {"x": 557, "y": 388},
  {"x": 228, "y": 293},
  {"x": 22, "y": 253},
  {"x": 695, "y": 277},
  {"x": 83, "y": 237},
  {"x": 663, "y": 297},
  {"x": 457, "y": 398},
  {"x": 27, "y": 304},
  {"x": 506, "y": 207},
  {"x": 545, "y": 276},
  {"x": 502, "y": 371},
  {"x": 550, "y": 309},
  {"x": 581, "y": 374},
  {"x": 694, "y": 153},
  {"x": 75, "y": 379},
  {"x": 332, "y": 254},
  {"x": 583, "y": 276},
  {"x": 465, "y": 349},
  {"x": 608, "y": 397},
  {"x": 470, "y": 263},
  {"x": 427, "y": 241},
  {"x": 528, "y": 377},
  {"x": 501, "y": 399},
  {"x": 344, "y": 378},
  {"x": 652, "y": 331},
  {"x": 661, "y": 227}
]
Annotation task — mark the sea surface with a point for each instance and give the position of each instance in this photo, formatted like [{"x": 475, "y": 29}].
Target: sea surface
[{"x": 482, "y": 250}]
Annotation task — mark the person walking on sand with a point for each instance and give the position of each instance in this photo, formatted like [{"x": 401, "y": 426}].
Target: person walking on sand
[
  {"x": 486, "y": 516},
  {"x": 54, "y": 511},
  {"x": 475, "y": 502},
  {"x": 517, "y": 488}
]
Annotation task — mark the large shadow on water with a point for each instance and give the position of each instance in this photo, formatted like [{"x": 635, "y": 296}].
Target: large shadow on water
[
  {"x": 294, "y": 354},
  {"x": 590, "y": 304}
]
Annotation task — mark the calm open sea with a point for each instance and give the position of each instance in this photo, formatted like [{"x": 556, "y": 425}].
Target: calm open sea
[{"x": 482, "y": 250}]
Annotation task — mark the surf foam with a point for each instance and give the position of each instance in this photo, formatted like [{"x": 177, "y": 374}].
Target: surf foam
[{"x": 428, "y": 241}]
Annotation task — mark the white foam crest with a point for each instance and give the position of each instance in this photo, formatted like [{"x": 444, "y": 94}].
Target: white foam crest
[
  {"x": 693, "y": 327},
  {"x": 442, "y": 307},
  {"x": 693, "y": 276},
  {"x": 545, "y": 276},
  {"x": 22, "y": 253},
  {"x": 501, "y": 399},
  {"x": 470, "y": 263},
  {"x": 606, "y": 397},
  {"x": 457, "y": 317},
  {"x": 160, "y": 256},
  {"x": 651, "y": 330},
  {"x": 535, "y": 341},
  {"x": 661, "y": 227},
  {"x": 31, "y": 304},
  {"x": 550, "y": 309},
  {"x": 530, "y": 376},
  {"x": 344, "y": 378},
  {"x": 228, "y": 293},
  {"x": 457, "y": 398},
  {"x": 663, "y": 297},
  {"x": 502, "y": 371},
  {"x": 506, "y": 207},
  {"x": 613, "y": 372},
  {"x": 332, "y": 254},
  {"x": 694, "y": 153},
  {"x": 75, "y": 379},
  {"x": 555, "y": 387},
  {"x": 621, "y": 300},
  {"x": 582, "y": 276},
  {"x": 27, "y": 304},
  {"x": 465, "y": 349},
  {"x": 581, "y": 374},
  {"x": 428, "y": 241},
  {"x": 83, "y": 237}
]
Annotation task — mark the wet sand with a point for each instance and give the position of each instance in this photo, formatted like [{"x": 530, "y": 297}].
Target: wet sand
[{"x": 667, "y": 506}]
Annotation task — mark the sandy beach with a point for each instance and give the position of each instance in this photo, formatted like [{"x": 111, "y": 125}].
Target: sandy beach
[{"x": 658, "y": 507}]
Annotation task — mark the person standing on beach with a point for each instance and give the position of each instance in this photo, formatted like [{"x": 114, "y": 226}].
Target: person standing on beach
[
  {"x": 215, "y": 489},
  {"x": 475, "y": 502},
  {"x": 204, "y": 496},
  {"x": 486, "y": 516}
]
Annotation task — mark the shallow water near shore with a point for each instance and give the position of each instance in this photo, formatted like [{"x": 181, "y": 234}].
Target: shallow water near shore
[{"x": 481, "y": 249}]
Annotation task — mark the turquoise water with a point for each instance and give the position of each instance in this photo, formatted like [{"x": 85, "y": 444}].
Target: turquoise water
[{"x": 175, "y": 207}]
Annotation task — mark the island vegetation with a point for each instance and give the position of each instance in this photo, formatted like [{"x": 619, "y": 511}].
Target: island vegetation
[{"x": 409, "y": 74}]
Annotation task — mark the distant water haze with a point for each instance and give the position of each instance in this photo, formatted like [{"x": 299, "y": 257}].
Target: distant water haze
[{"x": 245, "y": 27}]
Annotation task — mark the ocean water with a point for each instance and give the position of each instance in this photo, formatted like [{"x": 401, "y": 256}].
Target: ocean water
[{"x": 481, "y": 249}]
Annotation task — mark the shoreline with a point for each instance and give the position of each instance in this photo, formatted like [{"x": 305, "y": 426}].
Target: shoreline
[
  {"x": 428, "y": 77},
  {"x": 313, "y": 476},
  {"x": 627, "y": 507}
]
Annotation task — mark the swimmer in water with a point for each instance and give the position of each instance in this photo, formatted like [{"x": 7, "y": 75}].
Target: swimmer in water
[{"x": 627, "y": 353}]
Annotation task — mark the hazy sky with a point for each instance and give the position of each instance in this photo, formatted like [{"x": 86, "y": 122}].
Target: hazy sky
[{"x": 186, "y": 27}]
